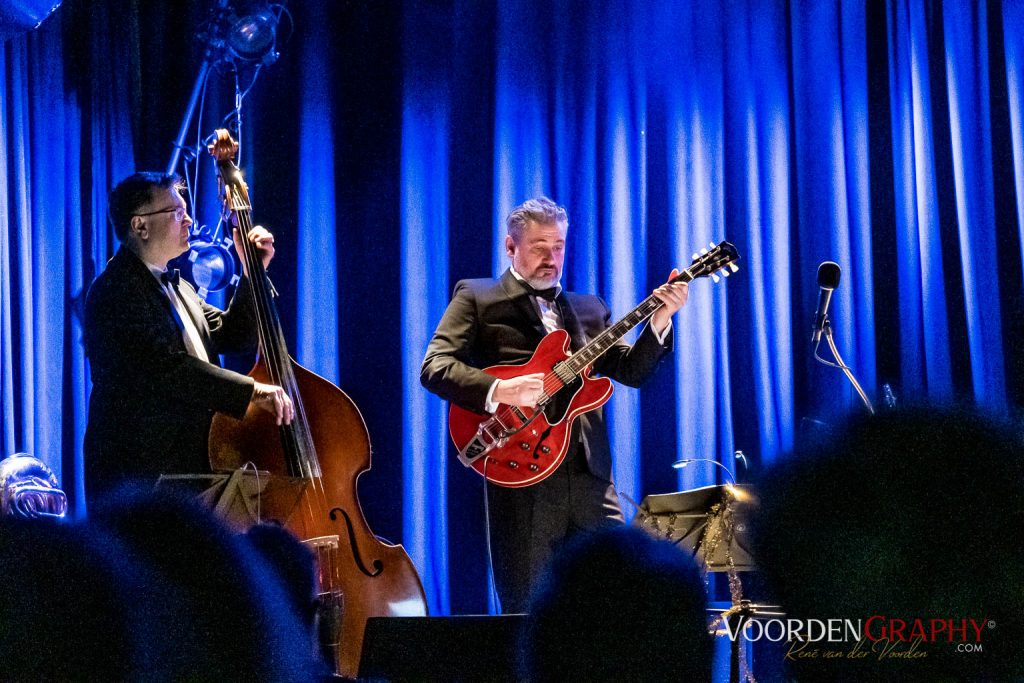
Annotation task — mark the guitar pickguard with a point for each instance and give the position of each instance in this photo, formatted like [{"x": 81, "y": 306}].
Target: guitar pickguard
[{"x": 560, "y": 403}]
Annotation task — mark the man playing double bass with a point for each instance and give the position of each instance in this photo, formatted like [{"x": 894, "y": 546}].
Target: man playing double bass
[
  {"x": 491, "y": 322},
  {"x": 153, "y": 346}
]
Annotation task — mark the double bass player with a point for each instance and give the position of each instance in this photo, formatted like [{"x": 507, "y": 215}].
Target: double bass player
[{"x": 153, "y": 346}]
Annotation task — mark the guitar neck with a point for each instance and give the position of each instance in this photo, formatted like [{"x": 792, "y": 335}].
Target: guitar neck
[{"x": 597, "y": 346}]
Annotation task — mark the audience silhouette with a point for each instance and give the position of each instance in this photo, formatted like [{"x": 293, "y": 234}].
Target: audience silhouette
[
  {"x": 69, "y": 605},
  {"x": 908, "y": 515},
  {"x": 232, "y": 617},
  {"x": 617, "y": 604}
]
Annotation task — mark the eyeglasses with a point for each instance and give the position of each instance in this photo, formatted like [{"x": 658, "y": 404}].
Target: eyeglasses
[{"x": 178, "y": 211}]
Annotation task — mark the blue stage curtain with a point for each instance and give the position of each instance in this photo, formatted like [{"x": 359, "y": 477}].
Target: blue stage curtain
[
  {"x": 58, "y": 154},
  {"x": 317, "y": 282},
  {"x": 426, "y": 130},
  {"x": 883, "y": 136}
]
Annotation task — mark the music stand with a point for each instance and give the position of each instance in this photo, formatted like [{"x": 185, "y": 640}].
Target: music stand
[
  {"x": 237, "y": 496},
  {"x": 710, "y": 523}
]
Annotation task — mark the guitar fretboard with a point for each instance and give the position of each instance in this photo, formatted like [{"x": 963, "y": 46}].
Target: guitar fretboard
[{"x": 586, "y": 356}]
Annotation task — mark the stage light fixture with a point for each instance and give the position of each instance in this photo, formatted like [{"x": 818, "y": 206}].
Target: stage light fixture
[{"x": 252, "y": 36}]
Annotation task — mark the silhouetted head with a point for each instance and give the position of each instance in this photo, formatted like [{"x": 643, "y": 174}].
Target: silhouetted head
[
  {"x": 913, "y": 515},
  {"x": 618, "y": 604},
  {"x": 69, "y": 602},
  {"x": 233, "y": 619}
]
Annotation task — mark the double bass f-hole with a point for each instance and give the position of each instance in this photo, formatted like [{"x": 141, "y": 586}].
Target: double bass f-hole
[{"x": 378, "y": 566}]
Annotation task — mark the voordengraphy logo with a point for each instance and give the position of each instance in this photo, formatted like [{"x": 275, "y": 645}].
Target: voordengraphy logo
[{"x": 884, "y": 636}]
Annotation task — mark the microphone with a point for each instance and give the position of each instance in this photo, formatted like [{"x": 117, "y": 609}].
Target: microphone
[{"x": 828, "y": 280}]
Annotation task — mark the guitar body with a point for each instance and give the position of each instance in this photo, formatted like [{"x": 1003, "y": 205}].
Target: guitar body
[{"x": 535, "y": 452}]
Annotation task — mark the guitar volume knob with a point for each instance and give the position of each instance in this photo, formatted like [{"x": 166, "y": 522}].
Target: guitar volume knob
[
  {"x": 513, "y": 464},
  {"x": 525, "y": 446},
  {"x": 545, "y": 450},
  {"x": 533, "y": 467}
]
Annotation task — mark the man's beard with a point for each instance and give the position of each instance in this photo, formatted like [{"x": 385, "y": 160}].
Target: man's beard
[{"x": 543, "y": 282}]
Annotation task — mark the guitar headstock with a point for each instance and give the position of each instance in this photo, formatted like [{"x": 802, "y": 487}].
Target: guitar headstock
[
  {"x": 716, "y": 259},
  {"x": 236, "y": 192}
]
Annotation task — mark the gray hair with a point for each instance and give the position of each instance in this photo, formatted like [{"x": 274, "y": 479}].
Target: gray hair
[{"x": 540, "y": 210}]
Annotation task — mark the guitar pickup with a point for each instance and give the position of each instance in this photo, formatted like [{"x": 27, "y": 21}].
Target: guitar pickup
[{"x": 564, "y": 372}]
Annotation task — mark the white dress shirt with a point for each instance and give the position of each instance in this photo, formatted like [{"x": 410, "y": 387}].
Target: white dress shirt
[{"x": 190, "y": 334}]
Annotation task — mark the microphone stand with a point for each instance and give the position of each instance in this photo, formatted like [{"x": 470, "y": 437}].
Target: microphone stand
[{"x": 827, "y": 332}]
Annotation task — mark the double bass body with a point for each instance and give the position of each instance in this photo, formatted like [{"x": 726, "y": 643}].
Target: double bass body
[{"x": 360, "y": 576}]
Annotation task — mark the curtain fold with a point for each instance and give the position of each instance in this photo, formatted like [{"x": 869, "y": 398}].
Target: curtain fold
[
  {"x": 966, "y": 39},
  {"x": 317, "y": 277},
  {"x": 425, "y": 292}
]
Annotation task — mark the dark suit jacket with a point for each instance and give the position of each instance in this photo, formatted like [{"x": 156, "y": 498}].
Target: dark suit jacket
[
  {"x": 494, "y": 322},
  {"x": 152, "y": 402}
]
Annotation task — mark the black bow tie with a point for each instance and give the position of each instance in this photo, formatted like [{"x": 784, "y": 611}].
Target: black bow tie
[
  {"x": 549, "y": 294},
  {"x": 170, "y": 277}
]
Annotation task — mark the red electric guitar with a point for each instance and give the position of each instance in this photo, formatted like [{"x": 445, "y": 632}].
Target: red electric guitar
[{"x": 519, "y": 446}]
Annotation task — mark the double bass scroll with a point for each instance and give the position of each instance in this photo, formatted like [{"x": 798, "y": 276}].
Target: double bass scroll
[{"x": 314, "y": 463}]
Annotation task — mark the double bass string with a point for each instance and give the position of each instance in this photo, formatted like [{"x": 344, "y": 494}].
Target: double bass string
[
  {"x": 281, "y": 373},
  {"x": 270, "y": 333},
  {"x": 280, "y": 369}
]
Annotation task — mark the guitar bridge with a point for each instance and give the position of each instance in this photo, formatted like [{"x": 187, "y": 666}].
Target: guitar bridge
[
  {"x": 489, "y": 435},
  {"x": 493, "y": 433}
]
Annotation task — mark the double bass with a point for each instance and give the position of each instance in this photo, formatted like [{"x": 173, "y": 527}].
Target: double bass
[{"x": 314, "y": 464}]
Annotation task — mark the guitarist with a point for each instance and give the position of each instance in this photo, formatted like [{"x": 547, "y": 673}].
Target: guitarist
[{"x": 491, "y": 322}]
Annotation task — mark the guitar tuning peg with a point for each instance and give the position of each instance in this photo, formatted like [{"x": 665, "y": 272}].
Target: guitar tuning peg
[
  {"x": 711, "y": 245},
  {"x": 734, "y": 268},
  {"x": 695, "y": 256},
  {"x": 703, "y": 252},
  {"x": 715, "y": 278},
  {"x": 725, "y": 272}
]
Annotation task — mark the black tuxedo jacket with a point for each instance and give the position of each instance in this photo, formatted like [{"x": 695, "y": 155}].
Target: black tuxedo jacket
[
  {"x": 494, "y": 322},
  {"x": 152, "y": 403}
]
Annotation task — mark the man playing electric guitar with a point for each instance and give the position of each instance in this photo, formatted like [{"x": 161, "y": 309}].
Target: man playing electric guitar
[{"x": 491, "y": 322}]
